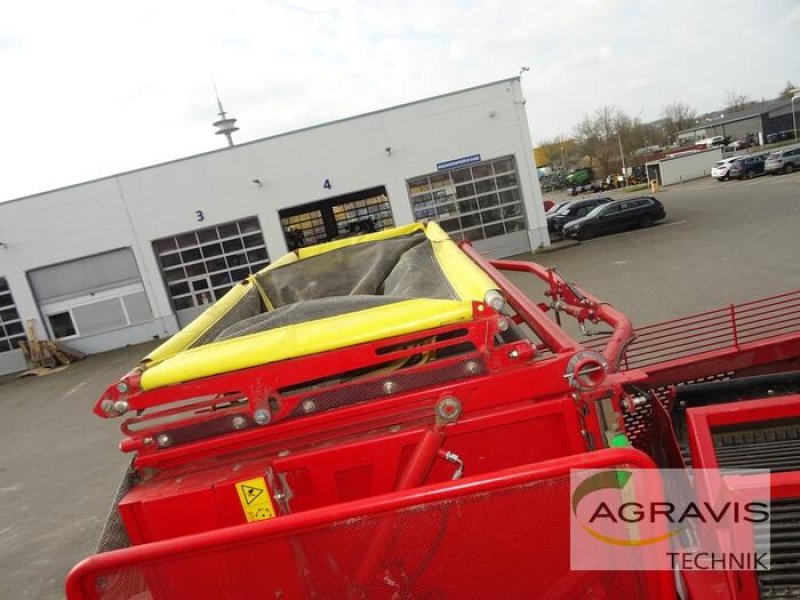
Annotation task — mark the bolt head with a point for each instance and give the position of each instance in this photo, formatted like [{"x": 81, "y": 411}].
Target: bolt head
[
  {"x": 239, "y": 422},
  {"x": 121, "y": 406},
  {"x": 471, "y": 367},
  {"x": 163, "y": 440},
  {"x": 262, "y": 416},
  {"x": 448, "y": 409},
  {"x": 122, "y": 387},
  {"x": 502, "y": 324},
  {"x": 107, "y": 406},
  {"x": 513, "y": 354},
  {"x": 389, "y": 387},
  {"x": 308, "y": 406},
  {"x": 494, "y": 299}
]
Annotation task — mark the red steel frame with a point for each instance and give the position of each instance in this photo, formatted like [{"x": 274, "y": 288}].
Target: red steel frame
[{"x": 247, "y": 390}]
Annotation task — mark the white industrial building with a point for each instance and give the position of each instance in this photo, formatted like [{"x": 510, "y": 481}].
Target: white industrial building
[{"x": 135, "y": 256}]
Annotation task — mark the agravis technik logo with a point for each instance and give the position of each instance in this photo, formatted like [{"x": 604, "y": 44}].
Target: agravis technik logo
[{"x": 655, "y": 519}]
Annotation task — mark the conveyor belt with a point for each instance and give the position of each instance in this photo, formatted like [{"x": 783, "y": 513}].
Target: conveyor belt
[
  {"x": 782, "y": 581},
  {"x": 773, "y": 446}
]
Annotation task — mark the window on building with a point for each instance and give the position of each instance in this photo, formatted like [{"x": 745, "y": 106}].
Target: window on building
[
  {"x": 471, "y": 203},
  {"x": 11, "y": 330},
  {"x": 61, "y": 324},
  {"x": 199, "y": 267}
]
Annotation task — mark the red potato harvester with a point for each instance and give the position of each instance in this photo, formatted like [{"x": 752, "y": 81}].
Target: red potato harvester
[{"x": 388, "y": 416}]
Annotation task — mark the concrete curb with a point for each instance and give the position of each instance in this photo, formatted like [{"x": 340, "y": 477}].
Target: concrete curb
[{"x": 559, "y": 245}]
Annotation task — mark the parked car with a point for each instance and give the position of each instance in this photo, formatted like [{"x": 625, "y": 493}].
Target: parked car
[
  {"x": 783, "y": 161},
  {"x": 555, "y": 208},
  {"x": 570, "y": 211},
  {"x": 616, "y": 216},
  {"x": 720, "y": 170},
  {"x": 746, "y": 167},
  {"x": 736, "y": 145}
]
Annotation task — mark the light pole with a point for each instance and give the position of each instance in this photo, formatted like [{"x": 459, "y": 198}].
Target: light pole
[
  {"x": 794, "y": 119},
  {"x": 621, "y": 153}
]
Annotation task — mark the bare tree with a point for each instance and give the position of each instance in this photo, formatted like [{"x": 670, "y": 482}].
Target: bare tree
[
  {"x": 735, "y": 102},
  {"x": 677, "y": 116},
  {"x": 588, "y": 138},
  {"x": 609, "y": 120}
]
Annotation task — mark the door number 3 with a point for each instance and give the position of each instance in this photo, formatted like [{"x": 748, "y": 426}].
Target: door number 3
[{"x": 200, "y": 216}]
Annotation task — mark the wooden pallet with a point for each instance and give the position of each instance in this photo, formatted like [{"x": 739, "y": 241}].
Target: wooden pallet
[{"x": 46, "y": 354}]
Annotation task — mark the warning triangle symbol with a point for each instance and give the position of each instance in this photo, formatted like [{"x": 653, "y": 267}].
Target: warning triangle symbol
[{"x": 251, "y": 493}]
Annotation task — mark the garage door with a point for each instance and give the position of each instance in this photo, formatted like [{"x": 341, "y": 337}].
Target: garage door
[
  {"x": 91, "y": 295},
  {"x": 199, "y": 267},
  {"x": 481, "y": 203}
]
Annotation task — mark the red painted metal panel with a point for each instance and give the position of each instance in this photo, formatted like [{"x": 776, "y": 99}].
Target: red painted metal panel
[
  {"x": 191, "y": 498},
  {"x": 498, "y": 535}
]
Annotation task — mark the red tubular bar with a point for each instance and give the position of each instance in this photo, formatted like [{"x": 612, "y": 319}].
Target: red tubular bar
[
  {"x": 80, "y": 582},
  {"x": 623, "y": 329},
  {"x": 549, "y": 332},
  {"x": 710, "y": 342},
  {"x": 416, "y": 471}
]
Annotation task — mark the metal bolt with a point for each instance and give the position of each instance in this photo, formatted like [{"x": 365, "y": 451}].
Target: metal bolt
[
  {"x": 309, "y": 406},
  {"x": 513, "y": 354},
  {"x": 502, "y": 324},
  {"x": 122, "y": 387},
  {"x": 283, "y": 453},
  {"x": 163, "y": 440},
  {"x": 121, "y": 406},
  {"x": 494, "y": 299},
  {"x": 471, "y": 367},
  {"x": 389, "y": 387},
  {"x": 239, "y": 422},
  {"x": 448, "y": 409},
  {"x": 107, "y": 405},
  {"x": 262, "y": 416}
]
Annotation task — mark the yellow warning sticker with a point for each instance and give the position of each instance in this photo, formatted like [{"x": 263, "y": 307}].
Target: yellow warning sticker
[{"x": 254, "y": 496}]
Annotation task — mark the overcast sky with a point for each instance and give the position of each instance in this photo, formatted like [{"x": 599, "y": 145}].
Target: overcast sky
[{"x": 94, "y": 88}]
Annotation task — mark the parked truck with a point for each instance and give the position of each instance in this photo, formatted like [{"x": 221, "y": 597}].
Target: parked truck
[{"x": 580, "y": 181}]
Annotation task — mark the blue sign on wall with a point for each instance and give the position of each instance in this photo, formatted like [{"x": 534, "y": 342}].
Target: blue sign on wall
[{"x": 458, "y": 162}]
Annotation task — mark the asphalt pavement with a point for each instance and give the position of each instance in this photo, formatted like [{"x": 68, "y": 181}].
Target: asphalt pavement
[
  {"x": 60, "y": 466},
  {"x": 721, "y": 242}
]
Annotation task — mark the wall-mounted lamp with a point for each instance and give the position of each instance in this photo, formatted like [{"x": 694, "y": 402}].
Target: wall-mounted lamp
[
  {"x": 257, "y": 182},
  {"x": 388, "y": 150}
]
